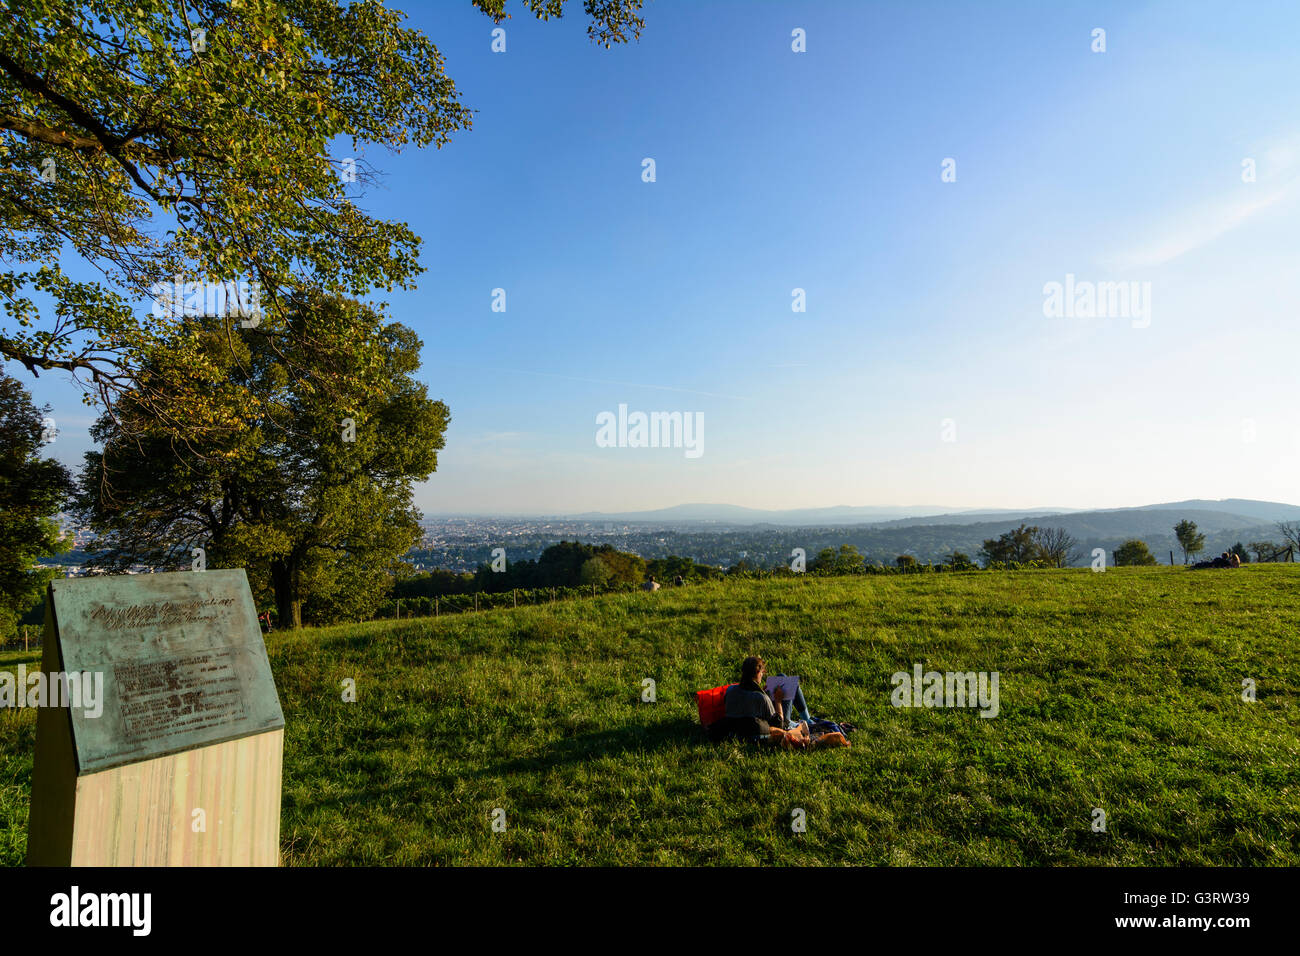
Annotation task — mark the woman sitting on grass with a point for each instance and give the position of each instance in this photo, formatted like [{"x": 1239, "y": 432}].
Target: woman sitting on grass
[{"x": 752, "y": 713}]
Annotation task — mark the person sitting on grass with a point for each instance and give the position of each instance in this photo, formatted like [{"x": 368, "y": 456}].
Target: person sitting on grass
[
  {"x": 816, "y": 725},
  {"x": 752, "y": 713}
]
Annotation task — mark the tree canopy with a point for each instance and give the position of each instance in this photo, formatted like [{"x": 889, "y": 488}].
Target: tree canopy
[
  {"x": 160, "y": 145},
  {"x": 1189, "y": 539},
  {"x": 1049, "y": 547},
  {"x": 847, "y": 560},
  {"x": 566, "y": 564},
  {"x": 311, "y": 495},
  {"x": 1134, "y": 553},
  {"x": 1019, "y": 545}
]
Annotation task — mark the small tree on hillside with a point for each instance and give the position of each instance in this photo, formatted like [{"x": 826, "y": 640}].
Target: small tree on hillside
[
  {"x": 1017, "y": 545},
  {"x": 849, "y": 560},
  {"x": 1189, "y": 539},
  {"x": 666, "y": 569},
  {"x": 1134, "y": 553},
  {"x": 1290, "y": 531},
  {"x": 595, "y": 571},
  {"x": 1265, "y": 550},
  {"x": 824, "y": 563},
  {"x": 1056, "y": 546}
]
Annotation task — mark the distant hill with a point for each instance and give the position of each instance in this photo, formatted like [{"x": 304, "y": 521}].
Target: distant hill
[
  {"x": 1225, "y": 513},
  {"x": 835, "y": 515},
  {"x": 1259, "y": 510},
  {"x": 932, "y": 540},
  {"x": 766, "y": 538}
]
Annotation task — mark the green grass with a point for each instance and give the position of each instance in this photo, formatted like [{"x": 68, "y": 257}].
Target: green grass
[{"x": 1119, "y": 690}]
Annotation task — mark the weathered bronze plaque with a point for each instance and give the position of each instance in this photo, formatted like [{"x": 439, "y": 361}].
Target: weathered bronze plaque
[{"x": 183, "y": 661}]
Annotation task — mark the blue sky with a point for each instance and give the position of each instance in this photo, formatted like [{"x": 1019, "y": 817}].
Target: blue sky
[{"x": 821, "y": 170}]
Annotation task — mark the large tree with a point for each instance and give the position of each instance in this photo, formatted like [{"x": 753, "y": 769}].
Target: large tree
[
  {"x": 310, "y": 494},
  {"x": 33, "y": 490},
  {"x": 152, "y": 142}
]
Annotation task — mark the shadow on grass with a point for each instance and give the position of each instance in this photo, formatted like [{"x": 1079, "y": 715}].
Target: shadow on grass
[
  {"x": 614, "y": 742},
  {"x": 570, "y": 751}
]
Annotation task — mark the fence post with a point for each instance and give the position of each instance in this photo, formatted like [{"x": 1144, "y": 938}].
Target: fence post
[
  {"x": 25, "y": 640},
  {"x": 435, "y": 605},
  {"x": 476, "y": 600},
  {"x": 1171, "y": 559},
  {"x": 515, "y": 596}
]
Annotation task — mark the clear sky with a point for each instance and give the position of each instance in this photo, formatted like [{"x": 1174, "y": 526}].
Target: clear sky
[{"x": 924, "y": 369}]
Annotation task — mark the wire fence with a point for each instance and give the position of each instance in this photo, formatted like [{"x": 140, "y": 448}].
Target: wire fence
[{"x": 27, "y": 637}]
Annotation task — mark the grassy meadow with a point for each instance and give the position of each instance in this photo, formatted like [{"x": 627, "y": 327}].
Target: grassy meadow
[{"x": 1120, "y": 691}]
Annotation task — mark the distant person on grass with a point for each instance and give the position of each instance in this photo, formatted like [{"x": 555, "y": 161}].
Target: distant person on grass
[{"x": 651, "y": 584}]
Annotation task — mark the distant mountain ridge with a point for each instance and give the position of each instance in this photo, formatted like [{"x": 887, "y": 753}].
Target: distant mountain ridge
[
  {"x": 715, "y": 513},
  {"x": 1259, "y": 510},
  {"x": 1226, "y": 512}
]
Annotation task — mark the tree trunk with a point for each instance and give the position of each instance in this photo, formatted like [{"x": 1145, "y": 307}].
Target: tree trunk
[{"x": 284, "y": 581}]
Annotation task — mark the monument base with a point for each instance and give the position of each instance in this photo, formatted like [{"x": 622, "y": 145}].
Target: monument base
[{"x": 214, "y": 806}]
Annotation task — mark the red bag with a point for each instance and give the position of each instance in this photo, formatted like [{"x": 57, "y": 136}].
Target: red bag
[{"x": 712, "y": 704}]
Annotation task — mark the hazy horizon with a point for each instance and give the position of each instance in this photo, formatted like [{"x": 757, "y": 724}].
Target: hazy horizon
[{"x": 920, "y": 510}]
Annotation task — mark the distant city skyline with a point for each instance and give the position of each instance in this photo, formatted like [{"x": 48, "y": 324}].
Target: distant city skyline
[{"x": 1029, "y": 270}]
